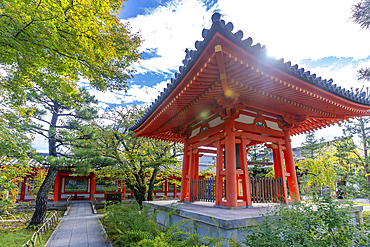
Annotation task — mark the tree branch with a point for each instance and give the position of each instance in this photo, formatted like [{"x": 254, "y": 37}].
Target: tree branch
[{"x": 22, "y": 30}]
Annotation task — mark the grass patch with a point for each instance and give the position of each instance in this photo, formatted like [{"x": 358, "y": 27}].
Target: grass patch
[
  {"x": 15, "y": 234},
  {"x": 27, "y": 215}
]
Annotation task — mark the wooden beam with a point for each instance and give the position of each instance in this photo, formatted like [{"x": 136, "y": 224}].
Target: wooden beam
[
  {"x": 209, "y": 140},
  {"x": 258, "y": 129},
  {"x": 221, "y": 69},
  {"x": 207, "y": 133},
  {"x": 260, "y": 138}
]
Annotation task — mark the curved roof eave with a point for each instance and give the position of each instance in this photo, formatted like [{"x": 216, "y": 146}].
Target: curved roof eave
[{"x": 225, "y": 29}]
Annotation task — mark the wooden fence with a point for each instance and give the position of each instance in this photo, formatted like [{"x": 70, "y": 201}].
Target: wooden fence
[
  {"x": 266, "y": 190},
  {"x": 263, "y": 190},
  {"x": 38, "y": 235},
  {"x": 203, "y": 189}
]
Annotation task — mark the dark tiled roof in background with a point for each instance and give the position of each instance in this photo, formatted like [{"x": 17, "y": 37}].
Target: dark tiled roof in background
[
  {"x": 32, "y": 163},
  {"x": 257, "y": 50}
]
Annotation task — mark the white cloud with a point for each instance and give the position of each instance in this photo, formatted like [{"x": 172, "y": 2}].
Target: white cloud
[
  {"x": 144, "y": 93},
  {"x": 290, "y": 29},
  {"x": 170, "y": 29},
  {"x": 296, "y": 30}
]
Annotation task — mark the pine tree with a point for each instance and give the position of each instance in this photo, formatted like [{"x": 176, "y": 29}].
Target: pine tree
[
  {"x": 311, "y": 147},
  {"x": 56, "y": 122},
  {"x": 360, "y": 127}
]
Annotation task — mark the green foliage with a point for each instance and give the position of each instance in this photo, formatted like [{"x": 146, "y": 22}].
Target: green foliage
[
  {"x": 138, "y": 160},
  {"x": 318, "y": 173},
  {"x": 51, "y": 44},
  {"x": 10, "y": 176},
  {"x": 14, "y": 143},
  {"x": 258, "y": 172},
  {"x": 258, "y": 153},
  {"x": 320, "y": 224},
  {"x": 132, "y": 225},
  {"x": 311, "y": 147}
]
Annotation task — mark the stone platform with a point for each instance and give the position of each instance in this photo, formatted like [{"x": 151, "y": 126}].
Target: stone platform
[{"x": 208, "y": 220}]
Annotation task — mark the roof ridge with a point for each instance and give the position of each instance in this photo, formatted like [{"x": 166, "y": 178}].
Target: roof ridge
[{"x": 219, "y": 25}]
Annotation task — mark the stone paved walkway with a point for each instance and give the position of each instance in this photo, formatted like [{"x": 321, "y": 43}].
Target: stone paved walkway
[{"x": 79, "y": 229}]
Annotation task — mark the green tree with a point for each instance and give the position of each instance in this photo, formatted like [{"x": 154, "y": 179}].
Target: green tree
[
  {"x": 311, "y": 147},
  {"x": 258, "y": 153},
  {"x": 51, "y": 44},
  {"x": 361, "y": 16},
  {"x": 360, "y": 127},
  {"x": 139, "y": 160},
  {"x": 56, "y": 122},
  {"x": 48, "y": 46},
  {"x": 14, "y": 143},
  {"x": 10, "y": 175},
  {"x": 350, "y": 167},
  {"x": 318, "y": 172}
]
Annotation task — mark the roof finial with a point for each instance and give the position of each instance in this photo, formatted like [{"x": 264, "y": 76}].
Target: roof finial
[{"x": 216, "y": 17}]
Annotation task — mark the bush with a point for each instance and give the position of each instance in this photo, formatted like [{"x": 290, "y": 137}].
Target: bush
[
  {"x": 316, "y": 224},
  {"x": 131, "y": 225}
]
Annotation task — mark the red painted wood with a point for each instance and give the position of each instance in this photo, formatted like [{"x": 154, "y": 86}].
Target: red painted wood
[
  {"x": 56, "y": 188},
  {"x": 185, "y": 172},
  {"x": 290, "y": 167},
  {"x": 231, "y": 181}
]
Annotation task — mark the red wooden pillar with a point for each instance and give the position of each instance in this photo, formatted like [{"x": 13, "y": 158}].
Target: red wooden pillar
[
  {"x": 191, "y": 172},
  {"x": 124, "y": 189},
  {"x": 219, "y": 168},
  {"x": 174, "y": 189},
  {"x": 290, "y": 167},
  {"x": 230, "y": 171},
  {"x": 196, "y": 166},
  {"x": 92, "y": 187},
  {"x": 185, "y": 172},
  {"x": 277, "y": 170},
  {"x": 23, "y": 189},
  {"x": 56, "y": 188},
  {"x": 165, "y": 187},
  {"x": 245, "y": 175},
  {"x": 281, "y": 170}
]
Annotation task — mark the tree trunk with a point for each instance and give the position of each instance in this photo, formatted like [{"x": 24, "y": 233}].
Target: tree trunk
[
  {"x": 140, "y": 194},
  {"x": 42, "y": 198},
  {"x": 139, "y": 191},
  {"x": 151, "y": 184}
]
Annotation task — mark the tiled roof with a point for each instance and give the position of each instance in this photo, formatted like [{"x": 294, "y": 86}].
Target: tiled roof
[
  {"x": 225, "y": 29},
  {"x": 32, "y": 163}
]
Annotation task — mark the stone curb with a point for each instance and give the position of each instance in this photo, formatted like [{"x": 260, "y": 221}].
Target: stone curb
[
  {"x": 105, "y": 235},
  {"x": 52, "y": 236},
  {"x": 93, "y": 209}
]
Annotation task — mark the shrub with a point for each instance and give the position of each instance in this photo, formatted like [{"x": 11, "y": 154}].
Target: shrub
[
  {"x": 132, "y": 225},
  {"x": 315, "y": 224}
]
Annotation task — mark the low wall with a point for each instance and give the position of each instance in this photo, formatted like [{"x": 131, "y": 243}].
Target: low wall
[
  {"x": 210, "y": 221},
  {"x": 30, "y": 206}
]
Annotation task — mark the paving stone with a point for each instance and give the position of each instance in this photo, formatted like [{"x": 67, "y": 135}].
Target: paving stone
[{"x": 79, "y": 229}]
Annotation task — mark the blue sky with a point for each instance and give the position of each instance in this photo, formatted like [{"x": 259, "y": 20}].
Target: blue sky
[{"x": 317, "y": 35}]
